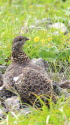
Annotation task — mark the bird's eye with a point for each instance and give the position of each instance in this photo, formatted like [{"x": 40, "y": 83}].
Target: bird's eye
[{"x": 20, "y": 39}]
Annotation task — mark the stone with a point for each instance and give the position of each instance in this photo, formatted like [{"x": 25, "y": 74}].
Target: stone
[
  {"x": 42, "y": 63},
  {"x": 3, "y": 68},
  {"x": 1, "y": 79},
  {"x": 59, "y": 26},
  {"x": 65, "y": 84},
  {"x": 2, "y": 114},
  {"x": 6, "y": 92},
  {"x": 12, "y": 104}
]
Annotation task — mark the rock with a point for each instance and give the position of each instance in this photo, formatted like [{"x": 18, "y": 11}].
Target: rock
[
  {"x": 65, "y": 93},
  {"x": 57, "y": 89},
  {"x": 3, "y": 68},
  {"x": 2, "y": 111},
  {"x": 25, "y": 111},
  {"x": 2, "y": 114},
  {"x": 6, "y": 92},
  {"x": 40, "y": 24},
  {"x": 32, "y": 27},
  {"x": 65, "y": 84},
  {"x": 43, "y": 21},
  {"x": 12, "y": 104},
  {"x": 59, "y": 26},
  {"x": 42, "y": 63},
  {"x": 60, "y": 91},
  {"x": 1, "y": 79},
  {"x": 57, "y": 77}
]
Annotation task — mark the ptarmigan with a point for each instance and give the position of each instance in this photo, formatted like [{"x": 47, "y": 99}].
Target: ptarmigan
[{"x": 27, "y": 78}]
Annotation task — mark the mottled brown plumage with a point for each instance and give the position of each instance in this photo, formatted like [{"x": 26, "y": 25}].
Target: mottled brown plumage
[
  {"x": 28, "y": 79},
  {"x": 19, "y": 60}
]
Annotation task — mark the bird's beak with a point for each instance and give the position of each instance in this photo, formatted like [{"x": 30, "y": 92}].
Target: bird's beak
[{"x": 27, "y": 39}]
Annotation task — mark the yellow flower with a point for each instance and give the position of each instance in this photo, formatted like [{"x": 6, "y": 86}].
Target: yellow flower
[
  {"x": 31, "y": 6},
  {"x": 43, "y": 40},
  {"x": 61, "y": 32},
  {"x": 49, "y": 39},
  {"x": 68, "y": 42},
  {"x": 36, "y": 39}
]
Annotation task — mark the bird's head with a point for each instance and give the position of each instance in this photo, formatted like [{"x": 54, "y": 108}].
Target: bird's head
[{"x": 19, "y": 41}]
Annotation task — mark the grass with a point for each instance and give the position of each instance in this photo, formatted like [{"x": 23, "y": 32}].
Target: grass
[
  {"x": 19, "y": 18},
  {"x": 58, "y": 114}
]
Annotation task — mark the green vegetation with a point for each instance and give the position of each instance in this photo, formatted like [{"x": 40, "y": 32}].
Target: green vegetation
[
  {"x": 18, "y": 17},
  {"x": 58, "y": 114}
]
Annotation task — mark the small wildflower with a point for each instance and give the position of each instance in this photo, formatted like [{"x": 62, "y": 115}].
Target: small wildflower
[
  {"x": 43, "y": 40},
  {"x": 61, "y": 32},
  {"x": 36, "y": 39},
  {"x": 49, "y": 39},
  {"x": 68, "y": 42},
  {"x": 31, "y": 6}
]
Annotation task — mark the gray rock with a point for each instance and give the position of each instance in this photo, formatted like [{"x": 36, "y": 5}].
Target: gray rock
[
  {"x": 44, "y": 64},
  {"x": 60, "y": 91},
  {"x": 3, "y": 68},
  {"x": 1, "y": 79},
  {"x": 32, "y": 27},
  {"x": 40, "y": 24},
  {"x": 6, "y": 92},
  {"x": 1, "y": 113},
  {"x": 65, "y": 93},
  {"x": 12, "y": 104},
  {"x": 58, "y": 26},
  {"x": 57, "y": 89},
  {"x": 65, "y": 84},
  {"x": 39, "y": 62},
  {"x": 43, "y": 21},
  {"x": 57, "y": 77},
  {"x": 25, "y": 111}
]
